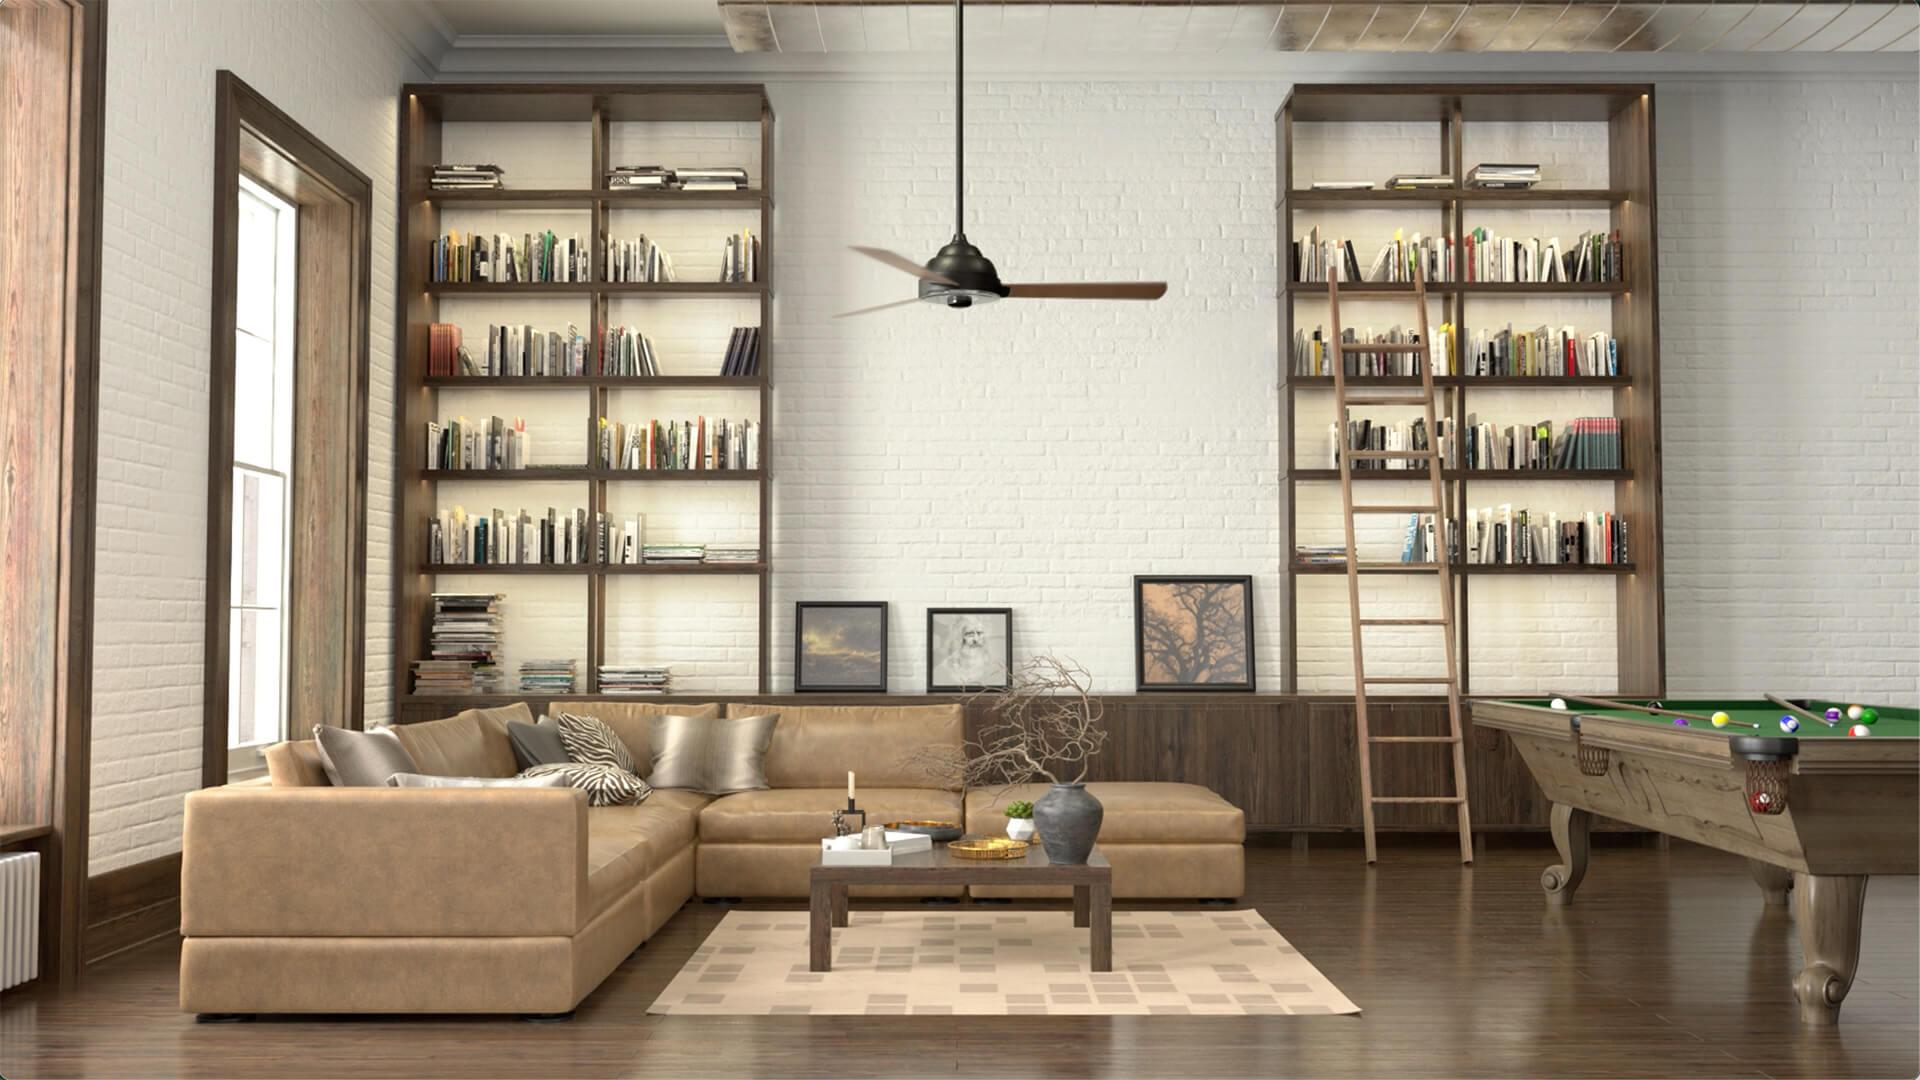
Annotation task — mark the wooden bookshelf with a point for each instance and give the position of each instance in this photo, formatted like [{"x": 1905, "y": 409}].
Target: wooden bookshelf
[
  {"x": 596, "y": 107},
  {"x": 1450, "y": 111}
]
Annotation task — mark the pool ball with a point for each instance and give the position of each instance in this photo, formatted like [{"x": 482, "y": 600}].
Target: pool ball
[
  {"x": 1859, "y": 731},
  {"x": 1760, "y": 801},
  {"x": 1833, "y": 714},
  {"x": 1854, "y": 711},
  {"x": 1721, "y": 719},
  {"x": 1869, "y": 715},
  {"x": 1680, "y": 721},
  {"x": 1789, "y": 725},
  {"x": 1560, "y": 703}
]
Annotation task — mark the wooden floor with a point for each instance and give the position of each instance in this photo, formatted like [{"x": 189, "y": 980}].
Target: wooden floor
[{"x": 1667, "y": 964}]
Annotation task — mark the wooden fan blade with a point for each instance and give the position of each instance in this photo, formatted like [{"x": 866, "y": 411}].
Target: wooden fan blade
[
  {"x": 901, "y": 262},
  {"x": 879, "y": 307},
  {"x": 1090, "y": 290}
]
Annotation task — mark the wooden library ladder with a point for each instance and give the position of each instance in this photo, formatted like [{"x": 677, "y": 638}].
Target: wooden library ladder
[{"x": 1442, "y": 568}]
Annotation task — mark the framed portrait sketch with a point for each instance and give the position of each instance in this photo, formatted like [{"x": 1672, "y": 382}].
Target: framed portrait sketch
[
  {"x": 840, "y": 645},
  {"x": 969, "y": 649},
  {"x": 1193, "y": 633}
]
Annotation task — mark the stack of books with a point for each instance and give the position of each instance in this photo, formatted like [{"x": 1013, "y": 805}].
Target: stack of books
[
  {"x": 634, "y": 679},
  {"x": 724, "y": 179},
  {"x": 640, "y": 176},
  {"x": 546, "y": 676},
  {"x": 464, "y": 641},
  {"x": 1418, "y": 181},
  {"x": 1320, "y": 554},
  {"x": 743, "y": 352},
  {"x": 465, "y": 177},
  {"x": 1343, "y": 185},
  {"x": 733, "y": 553},
  {"x": 1512, "y": 177},
  {"x": 674, "y": 553}
]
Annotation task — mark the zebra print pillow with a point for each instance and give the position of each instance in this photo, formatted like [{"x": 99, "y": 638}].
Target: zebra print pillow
[
  {"x": 589, "y": 741},
  {"x": 605, "y": 785}
]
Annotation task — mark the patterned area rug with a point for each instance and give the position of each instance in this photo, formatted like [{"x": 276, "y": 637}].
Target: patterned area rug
[{"x": 1228, "y": 963}]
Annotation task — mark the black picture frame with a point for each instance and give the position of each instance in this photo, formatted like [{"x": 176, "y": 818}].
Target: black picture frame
[
  {"x": 1005, "y": 660},
  {"x": 1141, "y": 583},
  {"x": 801, "y": 684}
]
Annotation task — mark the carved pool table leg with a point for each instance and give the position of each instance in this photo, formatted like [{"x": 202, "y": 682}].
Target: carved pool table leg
[
  {"x": 1828, "y": 908},
  {"x": 1570, "y": 827},
  {"x": 1773, "y": 881}
]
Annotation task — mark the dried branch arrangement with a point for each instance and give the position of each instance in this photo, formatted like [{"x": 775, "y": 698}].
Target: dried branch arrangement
[{"x": 1047, "y": 726}]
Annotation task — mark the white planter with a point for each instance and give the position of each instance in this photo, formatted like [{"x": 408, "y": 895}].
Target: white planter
[{"x": 1020, "y": 828}]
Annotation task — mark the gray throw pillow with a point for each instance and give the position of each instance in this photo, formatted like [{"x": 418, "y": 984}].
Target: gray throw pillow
[
  {"x": 605, "y": 785},
  {"x": 536, "y": 744},
  {"x": 589, "y": 741},
  {"x": 715, "y": 757},
  {"x": 361, "y": 758},
  {"x": 424, "y": 780}
]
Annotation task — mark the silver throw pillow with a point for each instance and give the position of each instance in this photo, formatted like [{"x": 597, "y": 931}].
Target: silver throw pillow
[
  {"x": 361, "y": 758},
  {"x": 714, "y": 757},
  {"x": 424, "y": 780}
]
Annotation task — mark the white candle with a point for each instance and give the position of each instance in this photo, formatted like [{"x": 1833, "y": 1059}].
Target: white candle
[{"x": 849, "y": 786}]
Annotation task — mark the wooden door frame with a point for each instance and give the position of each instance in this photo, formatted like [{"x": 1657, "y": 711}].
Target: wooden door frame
[{"x": 254, "y": 136}]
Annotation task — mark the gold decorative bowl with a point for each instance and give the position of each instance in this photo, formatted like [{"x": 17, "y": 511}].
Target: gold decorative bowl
[{"x": 989, "y": 847}]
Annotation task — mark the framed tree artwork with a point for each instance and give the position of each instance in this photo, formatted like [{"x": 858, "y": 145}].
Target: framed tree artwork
[
  {"x": 969, "y": 649},
  {"x": 1193, "y": 633},
  {"x": 840, "y": 646}
]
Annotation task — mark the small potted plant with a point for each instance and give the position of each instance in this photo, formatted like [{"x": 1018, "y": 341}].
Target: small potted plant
[{"x": 1020, "y": 820}]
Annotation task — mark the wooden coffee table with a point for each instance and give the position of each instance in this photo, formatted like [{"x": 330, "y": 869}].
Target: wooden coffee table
[{"x": 1092, "y": 891}]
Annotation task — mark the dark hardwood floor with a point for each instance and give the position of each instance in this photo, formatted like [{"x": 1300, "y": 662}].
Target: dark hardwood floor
[{"x": 1667, "y": 964}]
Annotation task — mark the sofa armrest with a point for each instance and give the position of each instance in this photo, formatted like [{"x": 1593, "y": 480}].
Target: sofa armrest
[{"x": 382, "y": 862}]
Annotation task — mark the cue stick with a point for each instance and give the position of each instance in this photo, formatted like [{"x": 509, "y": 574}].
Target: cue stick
[
  {"x": 1798, "y": 711},
  {"x": 1608, "y": 703}
]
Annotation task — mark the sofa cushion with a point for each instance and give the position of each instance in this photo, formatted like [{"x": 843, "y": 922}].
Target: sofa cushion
[
  {"x": 605, "y": 785},
  {"x": 627, "y": 844},
  {"x": 629, "y": 719},
  {"x": 536, "y": 744},
  {"x": 361, "y": 758},
  {"x": 296, "y": 764},
  {"x": 801, "y": 814},
  {"x": 469, "y": 743},
  {"x": 814, "y": 746},
  {"x": 589, "y": 741},
  {"x": 717, "y": 756},
  {"x": 1135, "y": 812}
]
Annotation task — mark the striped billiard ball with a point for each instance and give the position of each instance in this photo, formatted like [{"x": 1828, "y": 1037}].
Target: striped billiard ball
[{"x": 1789, "y": 725}]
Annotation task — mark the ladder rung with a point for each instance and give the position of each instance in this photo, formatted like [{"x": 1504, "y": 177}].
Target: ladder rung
[
  {"x": 1419, "y": 798},
  {"x": 1403, "y": 622},
  {"x": 1409, "y": 680},
  {"x": 1396, "y": 509},
  {"x": 1385, "y": 399},
  {"x": 1384, "y": 294},
  {"x": 1378, "y": 454},
  {"x": 1399, "y": 567},
  {"x": 1414, "y": 738},
  {"x": 1380, "y": 346}
]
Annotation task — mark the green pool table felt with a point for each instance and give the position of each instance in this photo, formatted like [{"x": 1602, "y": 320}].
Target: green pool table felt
[{"x": 1894, "y": 722}]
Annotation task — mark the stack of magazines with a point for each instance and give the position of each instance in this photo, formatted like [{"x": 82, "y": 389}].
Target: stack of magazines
[
  {"x": 465, "y": 177},
  {"x": 634, "y": 679},
  {"x": 546, "y": 676},
  {"x": 1517, "y": 177}
]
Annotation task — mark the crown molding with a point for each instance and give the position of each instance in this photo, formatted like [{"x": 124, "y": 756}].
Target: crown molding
[
  {"x": 419, "y": 29},
  {"x": 621, "y": 42}
]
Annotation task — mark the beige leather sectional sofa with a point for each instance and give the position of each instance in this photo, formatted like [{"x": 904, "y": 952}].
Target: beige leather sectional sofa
[{"x": 298, "y": 897}]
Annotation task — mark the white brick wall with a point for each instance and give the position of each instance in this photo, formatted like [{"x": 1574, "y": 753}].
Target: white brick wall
[
  {"x": 341, "y": 81},
  {"x": 1038, "y": 454}
]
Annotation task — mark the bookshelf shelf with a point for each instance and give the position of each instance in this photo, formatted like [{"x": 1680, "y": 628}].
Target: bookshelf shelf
[
  {"x": 599, "y": 108},
  {"x": 1471, "y": 569},
  {"x": 1616, "y": 116}
]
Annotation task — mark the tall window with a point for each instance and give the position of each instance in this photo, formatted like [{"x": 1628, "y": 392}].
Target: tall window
[{"x": 262, "y": 475}]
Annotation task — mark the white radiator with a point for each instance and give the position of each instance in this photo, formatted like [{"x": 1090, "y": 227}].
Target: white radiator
[{"x": 19, "y": 918}]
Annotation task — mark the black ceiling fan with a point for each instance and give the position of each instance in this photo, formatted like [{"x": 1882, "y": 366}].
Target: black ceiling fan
[{"x": 960, "y": 276}]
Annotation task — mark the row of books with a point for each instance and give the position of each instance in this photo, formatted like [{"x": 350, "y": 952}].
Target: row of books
[
  {"x": 1543, "y": 352},
  {"x": 635, "y": 679},
  {"x": 463, "y": 643},
  {"x": 699, "y": 443},
  {"x": 1322, "y": 258},
  {"x": 508, "y": 538},
  {"x": 638, "y": 259},
  {"x": 740, "y": 257},
  {"x": 624, "y": 350},
  {"x": 1500, "y": 537},
  {"x": 660, "y": 178},
  {"x": 494, "y": 443},
  {"x": 523, "y": 350},
  {"x": 538, "y": 258},
  {"x": 1593, "y": 257},
  {"x": 1367, "y": 434},
  {"x": 1585, "y": 443},
  {"x": 546, "y": 676},
  {"x": 518, "y": 351},
  {"x": 743, "y": 353},
  {"x": 465, "y": 177}
]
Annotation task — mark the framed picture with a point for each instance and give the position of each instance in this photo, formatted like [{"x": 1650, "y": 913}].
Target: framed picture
[
  {"x": 969, "y": 649},
  {"x": 840, "y": 646},
  {"x": 1193, "y": 633}
]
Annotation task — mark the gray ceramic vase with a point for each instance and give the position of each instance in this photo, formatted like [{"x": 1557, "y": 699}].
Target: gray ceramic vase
[{"x": 1068, "y": 820}]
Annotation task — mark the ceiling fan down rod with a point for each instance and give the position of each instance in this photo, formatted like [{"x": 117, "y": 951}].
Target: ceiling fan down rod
[{"x": 959, "y": 119}]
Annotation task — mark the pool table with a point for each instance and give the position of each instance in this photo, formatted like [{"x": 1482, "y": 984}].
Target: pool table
[{"x": 1836, "y": 808}]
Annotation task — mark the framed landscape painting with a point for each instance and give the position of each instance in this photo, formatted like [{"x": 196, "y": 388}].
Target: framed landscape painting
[
  {"x": 969, "y": 649},
  {"x": 1193, "y": 633},
  {"x": 840, "y": 645}
]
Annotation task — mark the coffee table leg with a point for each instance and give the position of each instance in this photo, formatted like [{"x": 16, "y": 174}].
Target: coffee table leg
[
  {"x": 1102, "y": 929},
  {"x": 1081, "y": 905},
  {"x": 820, "y": 927},
  {"x": 839, "y": 905}
]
